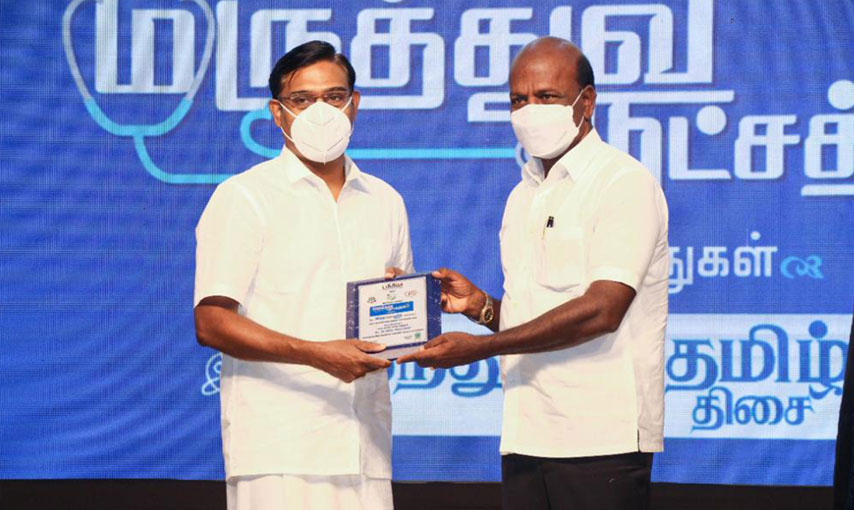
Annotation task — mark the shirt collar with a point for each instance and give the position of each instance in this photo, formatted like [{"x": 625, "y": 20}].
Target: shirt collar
[
  {"x": 574, "y": 163},
  {"x": 295, "y": 170}
]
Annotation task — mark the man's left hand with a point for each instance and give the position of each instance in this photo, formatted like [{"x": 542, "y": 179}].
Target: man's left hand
[
  {"x": 450, "y": 350},
  {"x": 393, "y": 272}
]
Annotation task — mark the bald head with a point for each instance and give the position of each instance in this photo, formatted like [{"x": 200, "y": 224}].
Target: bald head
[
  {"x": 555, "y": 46},
  {"x": 550, "y": 70},
  {"x": 556, "y": 53}
]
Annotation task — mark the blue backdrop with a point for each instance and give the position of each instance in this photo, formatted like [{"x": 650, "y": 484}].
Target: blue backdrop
[{"x": 118, "y": 118}]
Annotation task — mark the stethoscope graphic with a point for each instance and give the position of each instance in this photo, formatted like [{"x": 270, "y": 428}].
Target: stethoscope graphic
[{"x": 139, "y": 131}]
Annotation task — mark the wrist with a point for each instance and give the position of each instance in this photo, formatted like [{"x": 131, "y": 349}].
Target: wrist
[
  {"x": 485, "y": 314},
  {"x": 488, "y": 346},
  {"x": 475, "y": 305},
  {"x": 305, "y": 353}
]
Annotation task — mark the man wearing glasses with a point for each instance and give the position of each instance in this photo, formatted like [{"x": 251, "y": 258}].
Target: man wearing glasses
[{"x": 306, "y": 415}]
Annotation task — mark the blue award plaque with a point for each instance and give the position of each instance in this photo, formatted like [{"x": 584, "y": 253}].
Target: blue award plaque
[{"x": 402, "y": 313}]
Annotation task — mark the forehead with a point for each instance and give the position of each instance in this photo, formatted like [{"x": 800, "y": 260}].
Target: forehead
[
  {"x": 319, "y": 76},
  {"x": 542, "y": 70}
]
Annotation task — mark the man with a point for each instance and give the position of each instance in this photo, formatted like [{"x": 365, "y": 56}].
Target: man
[
  {"x": 276, "y": 246},
  {"x": 581, "y": 323}
]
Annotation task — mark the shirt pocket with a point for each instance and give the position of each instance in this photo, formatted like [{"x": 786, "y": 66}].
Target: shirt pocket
[
  {"x": 294, "y": 256},
  {"x": 560, "y": 264}
]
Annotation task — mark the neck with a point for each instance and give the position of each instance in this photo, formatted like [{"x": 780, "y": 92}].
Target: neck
[
  {"x": 548, "y": 163},
  {"x": 332, "y": 172}
]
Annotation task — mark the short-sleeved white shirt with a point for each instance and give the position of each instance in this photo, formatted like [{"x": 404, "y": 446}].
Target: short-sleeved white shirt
[
  {"x": 274, "y": 239},
  {"x": 599, "y": 215}
]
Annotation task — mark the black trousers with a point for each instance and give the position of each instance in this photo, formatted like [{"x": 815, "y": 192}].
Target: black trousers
[{"x": 608, "y": 482}]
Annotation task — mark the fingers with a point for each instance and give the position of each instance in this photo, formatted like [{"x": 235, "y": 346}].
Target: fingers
[
  {"x": 426, "y": 358},
  {"x": 370, "y": 364},
  {"x": 407, "y": 358},
  {"x": 443, "y": 273},
  {"x": 371, "y": 347},
  {"x": 392, "y": 272},
  {"x": 423, "y": 352},
  {"x": 351, "y": 359},
  {"x": 362, "y": 367},
  {"x": 439, "y": 340},
  {"x": 379, "y": 363}
]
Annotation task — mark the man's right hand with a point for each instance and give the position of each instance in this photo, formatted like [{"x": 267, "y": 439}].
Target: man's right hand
[
  {"x": 347, "y": 360},
  {"x": 459, "y": 295}
]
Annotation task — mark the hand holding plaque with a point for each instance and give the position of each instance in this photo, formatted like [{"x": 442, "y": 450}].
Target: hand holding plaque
[{"x": 402, "y": 313}]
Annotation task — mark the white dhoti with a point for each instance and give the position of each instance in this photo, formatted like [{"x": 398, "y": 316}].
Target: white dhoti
[{"x": 287, "y": 492}]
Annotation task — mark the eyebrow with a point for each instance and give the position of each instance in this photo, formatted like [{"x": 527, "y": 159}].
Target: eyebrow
[
  {"x": 540, "y": 91},
  {"x": 548, "y": 91},
  {"x": 333, "y": 89}
]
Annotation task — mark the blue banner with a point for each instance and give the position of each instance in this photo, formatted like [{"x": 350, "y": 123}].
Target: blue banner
[{"x": 120, "y": 116}]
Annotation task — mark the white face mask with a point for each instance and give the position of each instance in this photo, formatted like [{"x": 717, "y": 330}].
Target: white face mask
[
  {"x": 321, "y": 132},
  {"x": 545, "y": 130}
]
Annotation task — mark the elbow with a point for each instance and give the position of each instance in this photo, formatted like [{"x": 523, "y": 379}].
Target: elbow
[
  {"x": 611, "y": 324},
  {"x": 201, "y": 339},
  {"x": 213, "y": 315},
  {"x": 609, "y": 304},
  {"x": 204, "y": 336},
  {"x": 609, "y": 320}
]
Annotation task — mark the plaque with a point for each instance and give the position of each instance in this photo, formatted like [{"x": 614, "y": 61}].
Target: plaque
[{"x": 402, "y": 313}]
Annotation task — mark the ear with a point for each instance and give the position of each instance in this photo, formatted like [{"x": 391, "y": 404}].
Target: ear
[
  {"x": 277, "y": 111},
  {"x": 588, "y": 99},
  {"x": 354, "y": 105}
]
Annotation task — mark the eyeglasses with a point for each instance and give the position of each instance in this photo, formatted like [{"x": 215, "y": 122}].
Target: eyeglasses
[{"x": 302, "y": 100}]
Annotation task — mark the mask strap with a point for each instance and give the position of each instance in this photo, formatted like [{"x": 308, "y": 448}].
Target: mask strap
[
  {"x": 573, "y": 104},
  {"x": 282, "y": 126},
  {"x": 349, "y": 101},
  {"x": 294, "y": 115},
  {"x": 576, "y": 97}
]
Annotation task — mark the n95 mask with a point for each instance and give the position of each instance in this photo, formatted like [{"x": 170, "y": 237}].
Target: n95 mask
[
  {"x": 321, "y": 132},
  {"x": 545, "y": 130}
]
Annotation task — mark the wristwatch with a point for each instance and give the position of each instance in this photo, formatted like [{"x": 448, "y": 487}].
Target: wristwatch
[{"x": 487, "y": 312}]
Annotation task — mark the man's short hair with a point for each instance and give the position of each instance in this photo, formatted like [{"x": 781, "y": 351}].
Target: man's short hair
[
  {"x": 584, "y": 72},
  {"x": 305, "y": 55}
]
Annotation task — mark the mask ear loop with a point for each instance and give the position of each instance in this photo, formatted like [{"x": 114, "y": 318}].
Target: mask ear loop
[
  {"x": 349, "y": 103},
  {"x": 573, "y": 105},
  {"x": 282, "y": 124}
]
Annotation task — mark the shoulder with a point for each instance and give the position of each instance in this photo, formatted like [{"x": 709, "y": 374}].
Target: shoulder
[
  {"x": 257, "y": 178},
  {"x": 519, "y": 191},
  {"x": 379, "y": 188},
  {"x": 514, "y": 207},
  {"x": 619, "y": 169},
  {"x": 616, "y": 161},
  {"x": 516, "y": 192},
  {"x": 626, "y": 184},
  {"x": 246, "y": 190}
]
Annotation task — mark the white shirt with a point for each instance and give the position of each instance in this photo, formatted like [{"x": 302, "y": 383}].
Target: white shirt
[
  {"x": 599, "y": 215},
  {"x": 274, "y": 239}
]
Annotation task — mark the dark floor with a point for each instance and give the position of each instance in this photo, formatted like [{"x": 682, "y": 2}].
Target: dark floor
[{"x": 206, "y": 495}]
